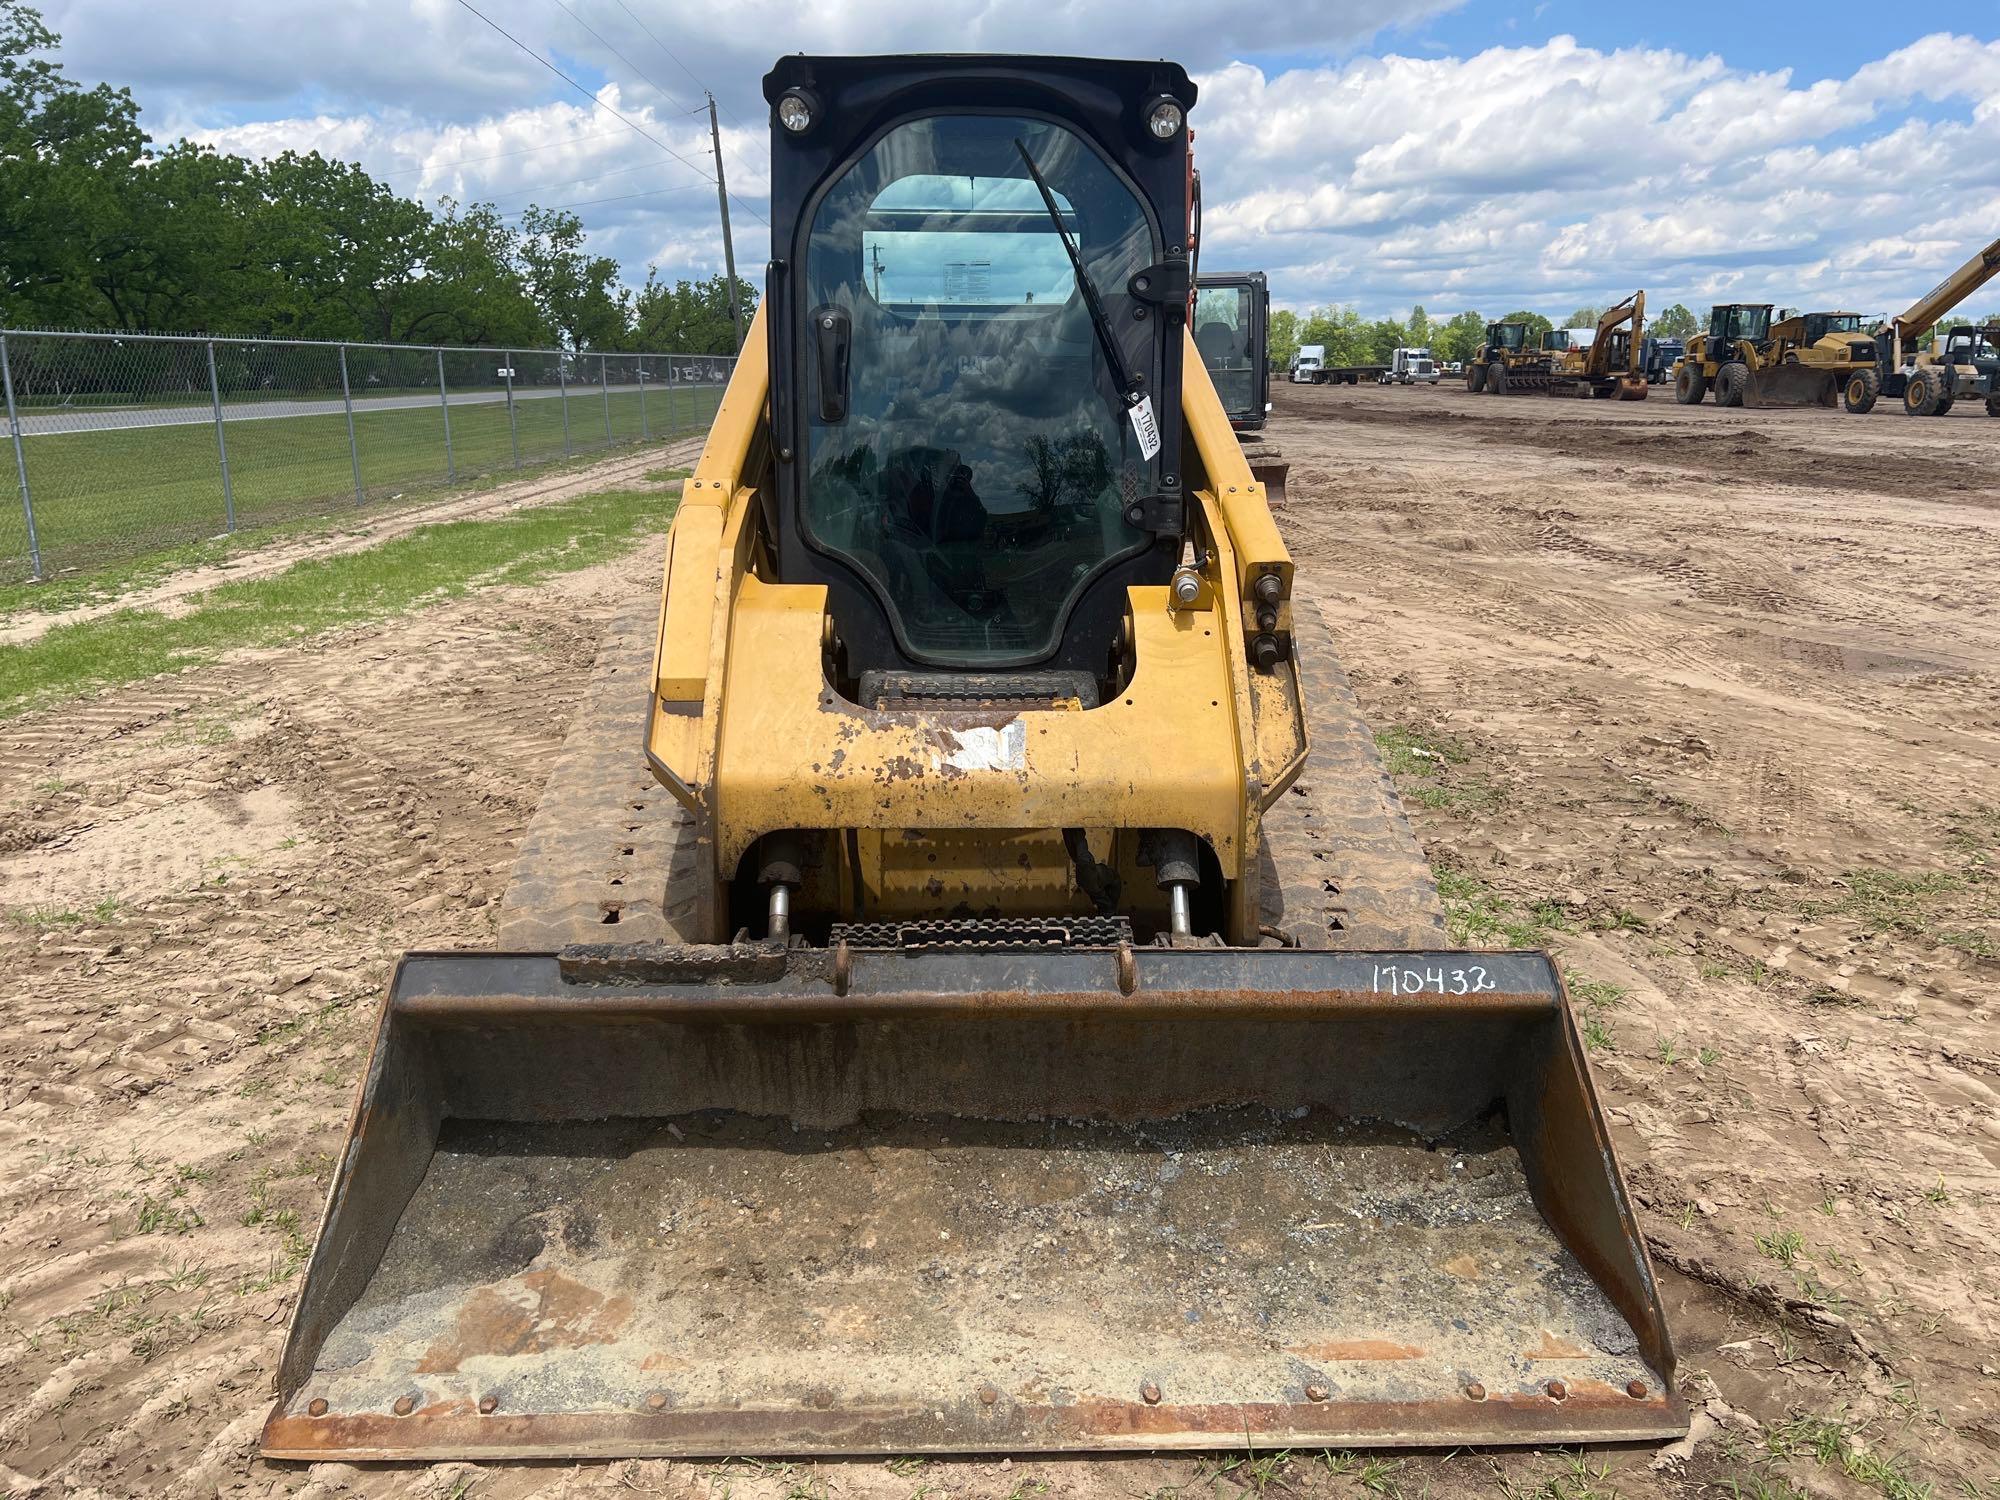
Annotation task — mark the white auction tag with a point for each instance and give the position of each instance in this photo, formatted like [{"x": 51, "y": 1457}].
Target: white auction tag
[{"x": 1145, "y": 427}]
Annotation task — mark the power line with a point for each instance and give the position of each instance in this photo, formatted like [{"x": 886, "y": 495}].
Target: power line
[
  {"x": 663, "y": 47},
  {"x": 631, "y": 125},
  {"x": 682, "y": 187},
  {"x": 606, "y": 44},
  {"x": 551, "y": 187},
  {"x": 675, "y": 58},
  {"x": 466, "y": 161}
]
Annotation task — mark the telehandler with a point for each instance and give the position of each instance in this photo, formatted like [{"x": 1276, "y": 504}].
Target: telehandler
[
  {"x": 1929, "y": 381},
  {"x": 969, "y": 985}
]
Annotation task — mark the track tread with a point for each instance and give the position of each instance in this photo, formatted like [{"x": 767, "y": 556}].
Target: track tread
[
  {"x": 1343, "y": 868},
  {"x": 609, "y": 854}
]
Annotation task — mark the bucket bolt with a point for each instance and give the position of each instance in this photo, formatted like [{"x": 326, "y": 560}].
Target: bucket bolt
[{"x": 1150, "y": 1393}]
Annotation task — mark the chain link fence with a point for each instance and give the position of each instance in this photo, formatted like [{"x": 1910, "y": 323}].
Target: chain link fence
[{"x": 126, "y": 444}]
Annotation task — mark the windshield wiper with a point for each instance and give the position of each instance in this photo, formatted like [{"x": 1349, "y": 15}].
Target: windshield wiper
[{"x": 1128, "y": 388}]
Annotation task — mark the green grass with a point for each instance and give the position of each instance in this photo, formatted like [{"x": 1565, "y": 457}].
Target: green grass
[
  {"x": 428, "y": 564},
  {"x": 1917, "y": 904},
  {"x": 1426, "y": 766},
  {"x": 1480, "y": 917},
  {"x": 104, "y": 495}
]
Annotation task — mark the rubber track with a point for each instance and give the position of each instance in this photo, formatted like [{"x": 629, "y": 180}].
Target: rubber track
[
  {"x": 609, "y": 853},
  {"x": 1343, "y": 869}
]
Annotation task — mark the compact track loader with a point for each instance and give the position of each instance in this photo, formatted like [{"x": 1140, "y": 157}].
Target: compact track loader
[{"x": 968, "y": 985}]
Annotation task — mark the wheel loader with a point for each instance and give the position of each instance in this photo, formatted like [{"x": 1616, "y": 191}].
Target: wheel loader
[
  {"x": 968, "y": 986},
  {"x": 1509, "y": 360},
  {"x": 1750, "y": 361}
]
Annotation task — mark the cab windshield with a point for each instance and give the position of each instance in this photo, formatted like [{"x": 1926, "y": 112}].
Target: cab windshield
[
  {"x": 1753, "y": 323},
  {"x": 977, "y": 467},
  {"x": 1222, "y": 336},
  {"x": 1507, "y": 335}
]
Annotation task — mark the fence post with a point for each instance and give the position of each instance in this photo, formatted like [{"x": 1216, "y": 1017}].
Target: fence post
[
  {"x": 444, "y": 405},
  {"x": 645, "y": 432},
  {"x": 221, "y": 443},
  {"x": 353, "y": 448},
  {"x": 513, "y": 431},
  {"x": 604, "y": 381},
  {"x": 20, "y": 461},
  {"x": 562, "y": 384}
]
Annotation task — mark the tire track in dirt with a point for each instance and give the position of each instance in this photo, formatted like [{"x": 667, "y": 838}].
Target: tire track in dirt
[
  {"x": 175, "y": 1071},
  {"x": 1702, "y": 706}
]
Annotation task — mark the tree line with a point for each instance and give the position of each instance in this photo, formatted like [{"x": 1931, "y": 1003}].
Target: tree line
[
  {"x": 100, "y": 228},
  {"x": 1350, "y": 339}
]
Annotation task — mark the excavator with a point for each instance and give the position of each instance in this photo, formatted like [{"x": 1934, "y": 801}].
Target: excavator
[
  {"x": 968, "y": 985},
  {"x": 1605, "y": 366},
  {"x": 1929, "y": 381}
]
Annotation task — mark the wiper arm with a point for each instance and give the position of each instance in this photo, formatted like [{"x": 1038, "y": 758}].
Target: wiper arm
[{"x": 1100, "y": 321}]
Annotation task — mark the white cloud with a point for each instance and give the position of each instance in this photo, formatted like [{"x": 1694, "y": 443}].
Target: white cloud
[{"x": 1530, "y": 174}]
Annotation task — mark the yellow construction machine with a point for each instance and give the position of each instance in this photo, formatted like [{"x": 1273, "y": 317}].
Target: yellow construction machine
[
  {"x": 1601, "y": 363},
  {"x": 968, "y": 985},
  {"x": 1509, "y": 360},
  {"x": 1748, "y": 360},
  {"x": 1929, "y": 381}
]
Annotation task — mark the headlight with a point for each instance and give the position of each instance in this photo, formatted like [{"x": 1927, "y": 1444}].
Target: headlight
[
  {"x": 1164, "y": 119},
  {"x": 796, "y": 111}
]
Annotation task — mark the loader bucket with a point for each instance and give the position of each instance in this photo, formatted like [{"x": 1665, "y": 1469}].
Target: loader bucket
[
  {"x": 742, "y": 1201},
  {"x": 1270, "y": 469},
  {"x": 1792, "y": 385}
]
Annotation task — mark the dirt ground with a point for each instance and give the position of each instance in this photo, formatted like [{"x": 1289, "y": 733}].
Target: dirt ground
[{"x": 1710, "y": 700}]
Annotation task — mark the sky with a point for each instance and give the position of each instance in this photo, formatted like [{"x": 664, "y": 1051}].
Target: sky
[{"x": 1454, "y": 154}]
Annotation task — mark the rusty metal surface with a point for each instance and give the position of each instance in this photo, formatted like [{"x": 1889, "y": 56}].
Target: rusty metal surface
[{"x": 981, "y": 1202}]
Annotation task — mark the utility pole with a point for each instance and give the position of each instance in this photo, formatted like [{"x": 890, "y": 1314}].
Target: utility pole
[{"x": 728, "y": 246}]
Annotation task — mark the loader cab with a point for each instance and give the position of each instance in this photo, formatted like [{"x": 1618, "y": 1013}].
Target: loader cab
[
  {"x": 1231, "y": 314},
  {"x": 978, "y": 293},
  {"x": 1737, "y": 322},
  {"x": 1819, "y": 325},
  {"x": 1509, "y": 338}
]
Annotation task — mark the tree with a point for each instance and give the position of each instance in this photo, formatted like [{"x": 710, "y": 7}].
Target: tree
[
  {"x": 100, "y": 228},
  {"x": 1584, "y": 317},
  {"x": 1384, "y": 337},
  {"x": 67, "y": 156},
  {"x": 1283, "y": 336},
  {"x": 1340, "y": 329},
  {"x": 690, "y": 317},
  {"x": 1460, "y": 338},
  {"x": 1675, "y": 323},
  {"x": 1419, "y": 329}
]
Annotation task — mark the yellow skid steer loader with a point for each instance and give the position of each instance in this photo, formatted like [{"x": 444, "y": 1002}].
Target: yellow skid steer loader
[{"x": 1023, "y": 1021}]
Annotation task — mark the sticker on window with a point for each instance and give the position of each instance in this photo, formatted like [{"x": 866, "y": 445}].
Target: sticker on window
[{"x": 1144, "y": 427}]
